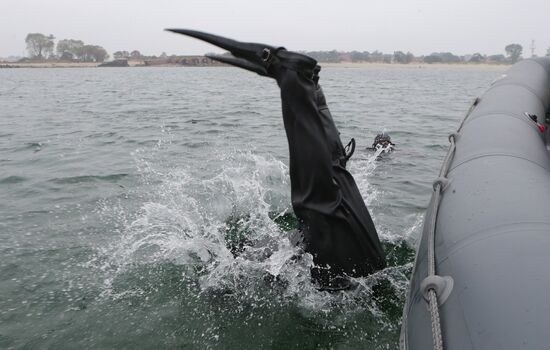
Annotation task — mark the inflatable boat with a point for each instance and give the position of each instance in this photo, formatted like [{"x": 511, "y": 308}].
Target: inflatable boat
[{"x": 481, "y": 278}]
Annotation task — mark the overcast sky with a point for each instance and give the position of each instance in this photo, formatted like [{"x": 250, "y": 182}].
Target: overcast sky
[{"x": 419, "y": 26}]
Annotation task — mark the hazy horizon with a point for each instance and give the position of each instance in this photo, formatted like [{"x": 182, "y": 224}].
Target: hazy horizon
[{"x": 421, "y": 27}]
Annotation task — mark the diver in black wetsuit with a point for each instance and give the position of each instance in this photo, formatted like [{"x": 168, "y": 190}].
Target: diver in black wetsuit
[
  {"x": 382, "y": 141},
  {"x": 336, "y": 226}
]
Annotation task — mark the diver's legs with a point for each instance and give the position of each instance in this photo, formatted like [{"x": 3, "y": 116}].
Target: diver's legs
[{"x": 338, "y": 230}]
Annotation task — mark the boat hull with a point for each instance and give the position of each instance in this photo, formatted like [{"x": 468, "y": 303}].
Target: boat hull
[{"x": 492, "y": 231}]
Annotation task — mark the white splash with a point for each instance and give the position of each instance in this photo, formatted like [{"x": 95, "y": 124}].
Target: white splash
[{"x": 187, "y": 219}]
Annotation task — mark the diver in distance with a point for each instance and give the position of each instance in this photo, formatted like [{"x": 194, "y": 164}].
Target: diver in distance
[
  {"x": 382, "y": 141},
  {"x": 335, "y": 224}
]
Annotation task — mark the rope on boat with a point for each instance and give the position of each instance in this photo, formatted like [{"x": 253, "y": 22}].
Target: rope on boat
[
  {"x": 436, "y": 323},
  {"x": 433, "y": 280},
  {"x": 433, "y": 306}
]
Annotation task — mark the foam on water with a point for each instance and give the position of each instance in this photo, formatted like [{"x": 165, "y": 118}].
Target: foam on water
[
  {"x": 197, "y": 222},
  {"x": 361, "y": 169}
]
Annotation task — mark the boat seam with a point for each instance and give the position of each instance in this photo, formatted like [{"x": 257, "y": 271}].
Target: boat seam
[
  {"x": 469, "y": 241},
  {"x": 515, "y": 83},
  {"x": 496, "y": 155},
  {"x": 540, "y": 65},
  {"x": 494, "y": 114}
]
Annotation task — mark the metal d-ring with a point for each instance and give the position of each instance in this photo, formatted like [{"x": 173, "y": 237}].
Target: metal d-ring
[{"x": 266, "y": 55}]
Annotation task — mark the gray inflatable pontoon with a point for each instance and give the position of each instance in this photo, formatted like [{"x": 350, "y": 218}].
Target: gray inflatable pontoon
[{"x": 481, "y": 278}]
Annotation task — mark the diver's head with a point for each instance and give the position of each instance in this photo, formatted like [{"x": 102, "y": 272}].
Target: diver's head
[{"x": 382, "y": 140}]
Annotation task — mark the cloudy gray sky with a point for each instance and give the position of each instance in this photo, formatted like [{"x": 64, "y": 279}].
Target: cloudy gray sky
[{"x": 419, "y": 26}]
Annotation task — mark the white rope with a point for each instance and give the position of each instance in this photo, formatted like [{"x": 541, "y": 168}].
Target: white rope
[
  {"x": 438, "y": 187},
  {"x": 436, "y": 323},
  {"x": 432, "y": 294}
]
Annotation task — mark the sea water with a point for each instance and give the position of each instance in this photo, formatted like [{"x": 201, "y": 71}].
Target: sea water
[{"x": 131, "y": 200}]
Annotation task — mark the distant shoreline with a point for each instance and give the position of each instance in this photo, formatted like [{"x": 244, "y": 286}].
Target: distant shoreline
[
  {"x": 137, "y": 63},
  {"x": 413, "y": 65}
]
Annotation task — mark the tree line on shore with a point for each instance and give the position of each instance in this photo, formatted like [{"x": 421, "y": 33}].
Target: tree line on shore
[
  {"x": 44, "y": 47},
  {"x": 41, "y": 47},
  {"x": 513, "y": 54}
]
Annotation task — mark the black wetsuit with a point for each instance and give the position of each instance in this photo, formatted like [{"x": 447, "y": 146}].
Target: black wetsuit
[{"x": 337, "y": 227}]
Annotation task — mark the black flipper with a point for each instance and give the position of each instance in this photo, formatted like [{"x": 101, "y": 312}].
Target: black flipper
[
  {"x": 336, "y": 224},
  {"x": 241, "y": 63}
]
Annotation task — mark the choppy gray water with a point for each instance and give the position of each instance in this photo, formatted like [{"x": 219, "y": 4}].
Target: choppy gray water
[{"x": 122, "y": 192}]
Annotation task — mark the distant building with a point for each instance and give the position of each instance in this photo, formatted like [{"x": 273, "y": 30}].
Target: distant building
[
  {"x": 115, "y": 63},
  {"x": 192, "y": 61}
]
